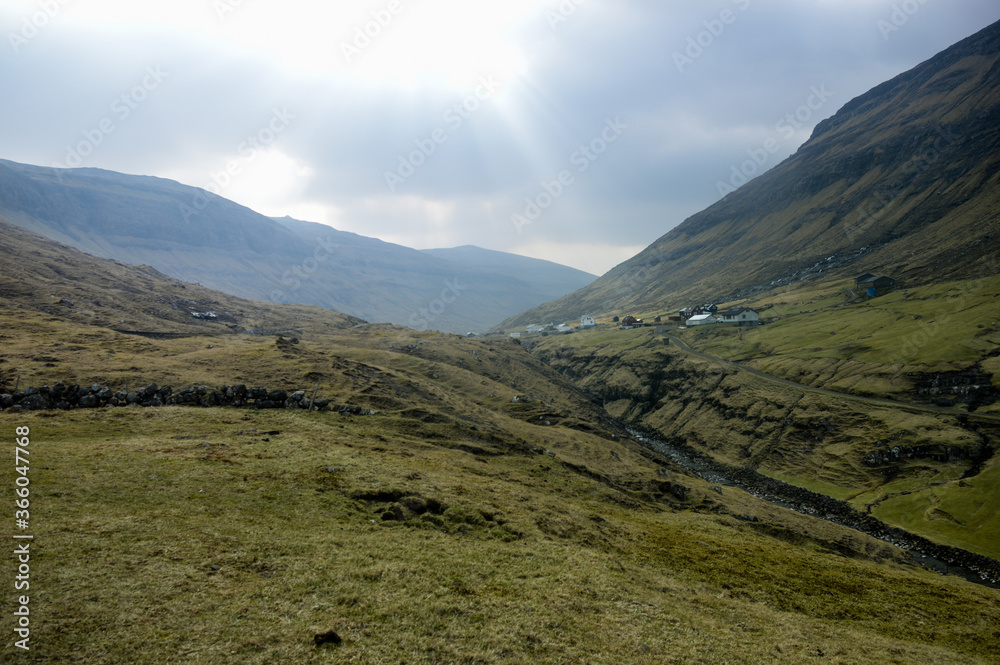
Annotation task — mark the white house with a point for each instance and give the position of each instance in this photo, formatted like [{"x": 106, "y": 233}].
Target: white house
[
  {"x": 701, "y": 320},
  {"x": 563, "y": 328},
  {"x": 535, "y": 328},
  {"x": 743, "y": 316},
  {"x": 587, "y": 321}
]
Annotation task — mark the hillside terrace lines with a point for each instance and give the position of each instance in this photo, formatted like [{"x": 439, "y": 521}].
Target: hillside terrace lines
[{"x": 925, "y": 408}]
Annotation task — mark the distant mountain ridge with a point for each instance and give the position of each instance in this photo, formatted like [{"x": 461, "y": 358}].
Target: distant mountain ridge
[
  {"x": 903, "y": 180},
  {"x": 556, "y": 277},
  {"x": 196, "y": 236},
  {"x": 42, "y": 275}
]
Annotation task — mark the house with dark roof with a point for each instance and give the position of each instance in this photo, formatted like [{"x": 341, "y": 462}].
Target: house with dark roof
[
  {"x": 862, "y": 278},
  {"x": 743, "y": 316},
  {"x": 876, "y": 286}
]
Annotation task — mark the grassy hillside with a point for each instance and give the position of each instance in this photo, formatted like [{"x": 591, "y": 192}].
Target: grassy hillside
[
  {"x": 458, "y": 525},
  {"x": 40, "y": 276},
  {"x": 869, "y": 347},
  {"x": 934, "y": 348},
  {"x": 903, "y": 180},
  {"x": 178, "y": 535}
]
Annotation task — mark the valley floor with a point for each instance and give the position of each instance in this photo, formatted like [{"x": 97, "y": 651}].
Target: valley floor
[{"x": 490, "y": 512}]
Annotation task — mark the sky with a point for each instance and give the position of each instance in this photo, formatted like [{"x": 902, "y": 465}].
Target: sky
[{"x": 577, "y": 131}]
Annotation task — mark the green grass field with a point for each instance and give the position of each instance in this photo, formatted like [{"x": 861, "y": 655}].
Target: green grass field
[
  {"x": 960, "y": 513},
  {"x": 867, "y": 347},
  {"x": 225, "y": 536}
]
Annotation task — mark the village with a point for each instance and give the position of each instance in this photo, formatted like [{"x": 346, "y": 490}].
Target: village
[
  {"x": 689, "y": 316},
  {"x": 866, "y": 285}
]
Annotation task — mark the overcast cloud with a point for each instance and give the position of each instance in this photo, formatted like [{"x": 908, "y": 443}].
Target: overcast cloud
[{"x": 578, "y": 131}]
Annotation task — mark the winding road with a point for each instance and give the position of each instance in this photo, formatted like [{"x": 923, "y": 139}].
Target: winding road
[{"x": 926, "y": 408}]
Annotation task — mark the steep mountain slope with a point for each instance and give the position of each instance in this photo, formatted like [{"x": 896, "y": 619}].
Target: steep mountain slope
[
  {"x": 196, "y": 236},
  {"x": 903, "y": 180}
]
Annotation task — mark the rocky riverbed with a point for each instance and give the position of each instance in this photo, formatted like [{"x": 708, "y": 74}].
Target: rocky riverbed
[{"x": 941, "y": 558}]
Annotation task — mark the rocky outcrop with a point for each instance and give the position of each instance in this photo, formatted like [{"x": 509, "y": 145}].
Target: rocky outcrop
[
  {"x": 937, "y": 452},
  {"x": 64, "y": 397},
  {"x": 971, "y": 386}
]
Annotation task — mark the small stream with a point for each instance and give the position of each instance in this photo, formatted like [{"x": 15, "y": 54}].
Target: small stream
[{"x": 939, "y": 558}]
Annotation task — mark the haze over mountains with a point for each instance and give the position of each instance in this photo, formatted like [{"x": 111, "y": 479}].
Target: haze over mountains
[
  {"x": 196, "y": 236},
  {"x": 903, "y": 180}
]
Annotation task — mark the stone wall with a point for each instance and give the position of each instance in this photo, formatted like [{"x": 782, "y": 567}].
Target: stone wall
[{"x": 63, "y": 397}]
